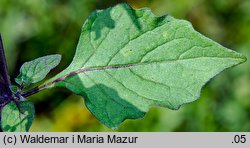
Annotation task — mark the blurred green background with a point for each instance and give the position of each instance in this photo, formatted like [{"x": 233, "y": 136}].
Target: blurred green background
[{"x": 34, "y": 28}]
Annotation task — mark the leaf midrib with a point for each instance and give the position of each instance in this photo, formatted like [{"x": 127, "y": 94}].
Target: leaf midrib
[
  {"x": 100, "y": 68},
  {"x": 118, "y": 66}
]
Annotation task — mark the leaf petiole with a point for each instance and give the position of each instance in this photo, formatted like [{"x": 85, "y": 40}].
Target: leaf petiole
[{"x": 42, "y": 87}]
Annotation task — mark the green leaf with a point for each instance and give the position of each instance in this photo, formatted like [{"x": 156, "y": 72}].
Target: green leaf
[
  {"x": 36, "y": 70},
  {"x": 130, "y": 60},
  {"x": 15, "y": 120}
]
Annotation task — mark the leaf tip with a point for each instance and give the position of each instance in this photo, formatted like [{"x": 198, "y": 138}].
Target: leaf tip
[
  {"x": 114, "y": 128},
  {"x": 243, "y": 59},
  {"x": 57, "y": 57}
]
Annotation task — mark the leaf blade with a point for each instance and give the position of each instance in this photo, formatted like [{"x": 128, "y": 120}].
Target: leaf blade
[
  {"x": 14, "y": 121},
  {"x": 36, "y": 70},
  {"x": 132, "y": 60}
]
